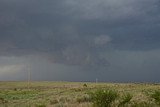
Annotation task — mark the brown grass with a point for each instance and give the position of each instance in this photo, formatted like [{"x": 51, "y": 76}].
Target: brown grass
[{"x": 68, "y": 94}]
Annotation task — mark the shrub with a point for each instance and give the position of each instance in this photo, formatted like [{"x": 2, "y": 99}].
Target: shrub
[
  {"x": 156, "y": 96},
  {"x": 15, "y": 89},
  {"x": 103, "y": 98},
  {"x": 84, "y": 85},
  {"x": 125, "y": 99}
]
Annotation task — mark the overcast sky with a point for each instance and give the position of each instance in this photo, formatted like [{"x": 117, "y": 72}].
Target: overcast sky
[{"x": 80, "y": 40}]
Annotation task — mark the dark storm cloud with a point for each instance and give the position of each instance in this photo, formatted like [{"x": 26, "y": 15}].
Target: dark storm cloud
[
  {"x": 47, "y": 28},
  {"x": 133, "y": 24},
  {"x": 78, "y": 33}
]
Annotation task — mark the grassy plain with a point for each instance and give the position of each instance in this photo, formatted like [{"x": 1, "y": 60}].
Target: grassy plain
[{"x": 72, "y": 94}]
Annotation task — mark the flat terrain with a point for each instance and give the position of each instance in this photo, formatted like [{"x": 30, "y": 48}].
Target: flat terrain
[{"x": 69, "y": 94}]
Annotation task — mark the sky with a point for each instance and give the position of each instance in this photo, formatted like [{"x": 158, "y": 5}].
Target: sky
[{"x": 80, "y": 40}]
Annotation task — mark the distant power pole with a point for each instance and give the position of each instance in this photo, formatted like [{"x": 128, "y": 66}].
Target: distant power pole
[
  {"x": 96, "y": 80},
  {"x": 29, "y": 76}
]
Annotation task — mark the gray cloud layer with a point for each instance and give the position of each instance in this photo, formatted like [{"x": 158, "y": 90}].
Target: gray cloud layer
[{"x": 79, "y": 33}]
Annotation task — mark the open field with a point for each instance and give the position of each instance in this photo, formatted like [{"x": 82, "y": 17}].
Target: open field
[{"x": 72, "y": 94}]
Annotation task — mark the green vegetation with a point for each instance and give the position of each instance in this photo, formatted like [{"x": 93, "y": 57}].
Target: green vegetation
[
  {"x": 125, "y": 99},
  {"x": 103, "y": 98},
  {"x": 156, "y": 96},
  {"x": 78, "y": 94},
  {"x": 84, "y": 98}
]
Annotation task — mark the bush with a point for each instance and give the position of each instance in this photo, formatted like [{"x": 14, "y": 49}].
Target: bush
[
  {"x": 125, "y": 99},
  {"x": 15, "y": 89},
  {"x": 156, "y": 96},
  {"x": 84, "y": 85},
  {"x": 103, "y": 98}
]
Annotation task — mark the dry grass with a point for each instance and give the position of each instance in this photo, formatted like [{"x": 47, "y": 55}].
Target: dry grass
[{"x": 70, "y": 94}]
